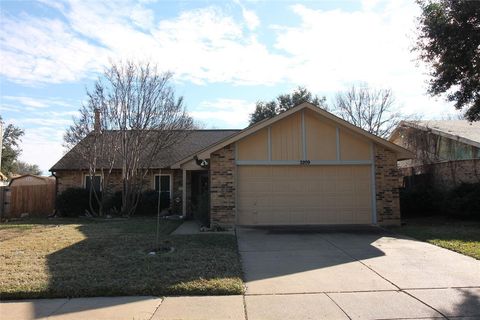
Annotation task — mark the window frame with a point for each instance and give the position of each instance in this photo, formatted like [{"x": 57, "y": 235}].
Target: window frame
[
  {"x": 87, "y": 175},
  {"x": 170, "y": 181}
]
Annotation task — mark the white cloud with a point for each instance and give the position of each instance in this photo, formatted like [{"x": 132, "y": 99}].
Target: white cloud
[
  {"x": 41, "y": 50},
  {"x": 202, "y": 45},
  {"x": 43, "y": 138},
  {"x": 42, "y": 146},
  {"x": 250, "y": 18},
  {"x": 36, "y": 103},
  {"x": 326, "y": 52},
  {"x": 333, "y": 49},
  {"x": 232, "y": 113}
]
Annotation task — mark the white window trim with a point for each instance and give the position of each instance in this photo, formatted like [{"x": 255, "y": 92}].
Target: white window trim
[
  {"x": 171, "y": 182},
  {"x": 92, "y": 175}
]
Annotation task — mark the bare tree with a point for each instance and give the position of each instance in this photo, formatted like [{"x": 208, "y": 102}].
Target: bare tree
[
  {"x": 95, "y": 150},
  {"x": 369, "y": 109},
  {"x": 141, "y": 119}
]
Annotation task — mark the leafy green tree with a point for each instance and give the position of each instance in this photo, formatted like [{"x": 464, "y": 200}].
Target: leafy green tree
[
  {"x": 284, "y": 102},
  {"x": 449, "y": 41},
  {"x": 26, "y": 168},
  {"x": 10, "y": 147}
]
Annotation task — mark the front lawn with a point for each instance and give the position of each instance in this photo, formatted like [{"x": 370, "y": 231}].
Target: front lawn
[
  {"x": 75, "y": 257},
  {"x": 459, "y": 236}
]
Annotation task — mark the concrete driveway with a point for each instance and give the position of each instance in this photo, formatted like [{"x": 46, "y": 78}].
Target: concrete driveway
[{"x": 358, "y": 274}]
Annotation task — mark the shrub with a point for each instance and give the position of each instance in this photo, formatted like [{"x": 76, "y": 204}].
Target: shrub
[
  {"x": 420, "y": 202},
  {"x": 113, "y": 203},
  {"x": 148, "y": 203},
  {"x": 460, "y": 202},
  {"x": 464, "y": 201},
  {"x": 73, "y": 202}
]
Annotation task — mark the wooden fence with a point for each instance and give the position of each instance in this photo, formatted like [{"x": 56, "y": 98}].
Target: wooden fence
[{"x": 36, "y": 200}]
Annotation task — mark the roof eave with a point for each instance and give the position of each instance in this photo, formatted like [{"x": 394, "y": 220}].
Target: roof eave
[{"x": 436, "y": 131}]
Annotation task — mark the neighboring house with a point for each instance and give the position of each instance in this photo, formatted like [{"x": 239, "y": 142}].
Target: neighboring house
[
  {"x": 3, "y": 179},
  {"x": 302, "y": 167},
  {"x": 446, "y": 150}
]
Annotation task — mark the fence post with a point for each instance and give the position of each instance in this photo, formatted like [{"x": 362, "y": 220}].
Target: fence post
[{"x": 1, "y": 204}]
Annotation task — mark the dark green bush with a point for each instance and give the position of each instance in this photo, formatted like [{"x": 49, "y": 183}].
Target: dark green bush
[
  {"x": 460, "y": 202},
  {"x": 420, "y": 202},
  {"x": 148, "y": 203},
  {"x": 113, "y": 203},
  {"x": 464, "y": 201},
  {"x": 73, "y": 202}
]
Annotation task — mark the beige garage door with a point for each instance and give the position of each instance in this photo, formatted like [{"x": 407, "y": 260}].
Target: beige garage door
[{"x": 302, "y": 195}]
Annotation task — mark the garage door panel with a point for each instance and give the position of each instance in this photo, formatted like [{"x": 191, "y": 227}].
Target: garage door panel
[{"x": 281, "y": 195}]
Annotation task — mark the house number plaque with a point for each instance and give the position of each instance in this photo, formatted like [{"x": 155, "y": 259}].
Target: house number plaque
[{"x": 305, "y": 162}]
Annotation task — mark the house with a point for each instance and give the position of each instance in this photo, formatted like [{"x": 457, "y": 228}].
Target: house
[
  {"x": 447, "y": 151},
  {"x": 3, "y": 179},
  {"x": 302, "y": 167}
]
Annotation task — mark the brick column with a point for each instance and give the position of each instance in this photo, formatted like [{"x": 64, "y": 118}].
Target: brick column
[
  {"x": 387, "y": 184},
  {"x": 222, "y": 187}
]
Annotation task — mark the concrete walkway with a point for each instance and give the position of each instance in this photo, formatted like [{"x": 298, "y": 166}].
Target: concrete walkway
[
  {"x": 125, "y": 308},
  {"x": 365, "y": 274},
  {"x": 414, "y": 304},
  {"x": 187, "y": 227}
]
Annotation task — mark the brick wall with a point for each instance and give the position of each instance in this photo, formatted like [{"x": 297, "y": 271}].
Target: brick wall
[
  {"x": 449, "y": 174},
  {"x": 222, "y": 186},
  {"x": 69, "y": 179},
  {"x": 386, "y": 187}
]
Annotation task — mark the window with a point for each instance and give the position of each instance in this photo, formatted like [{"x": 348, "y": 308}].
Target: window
[
  {"x": 165, "y": 184},
  {"x": 96, "y": 180}
]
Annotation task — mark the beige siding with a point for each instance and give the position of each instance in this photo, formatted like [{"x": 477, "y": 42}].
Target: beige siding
[
  {"x": 286, "y": 136},
  {"x": 321, "y": 138},
  {"x": 286, "y": 141},
  {"x": 296, "y": 195},
  {"x": 254, "y": 147},
  {"x": 354, "y": 147}
]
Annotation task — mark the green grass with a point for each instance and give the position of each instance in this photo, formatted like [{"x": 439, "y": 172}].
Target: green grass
[
  {"x": 78, "y": 258},
  {"x": 459, "y": 236}
]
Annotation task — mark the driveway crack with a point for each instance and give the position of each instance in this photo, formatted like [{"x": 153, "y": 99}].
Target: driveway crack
[
  {"x": 338, "y": 306},
  {"x": 156, "y": 309},
  {"x": 60, "y": 307},
  {"x": 374, "y": 271},
  {"x": 425, "y": 304},
  {"x": 364, "y": 264}
]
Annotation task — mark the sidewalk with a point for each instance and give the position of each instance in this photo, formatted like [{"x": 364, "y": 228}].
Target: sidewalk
[
  {"x": 410, "y": 304},
  {"x": 125, "y": 308}
]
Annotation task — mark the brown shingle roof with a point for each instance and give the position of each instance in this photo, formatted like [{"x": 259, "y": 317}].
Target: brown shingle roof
[{"x": 195, "y": 141}]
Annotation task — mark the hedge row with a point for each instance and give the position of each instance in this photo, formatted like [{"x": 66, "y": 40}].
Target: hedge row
[
  {"x": 74, "y": 202},
  {"x": 461, "y": 202}
]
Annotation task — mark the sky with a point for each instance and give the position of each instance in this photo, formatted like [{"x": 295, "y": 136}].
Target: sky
[{"x": 225, "y": 56}]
